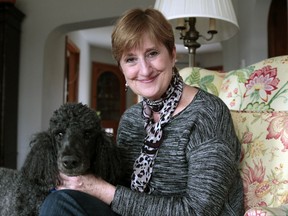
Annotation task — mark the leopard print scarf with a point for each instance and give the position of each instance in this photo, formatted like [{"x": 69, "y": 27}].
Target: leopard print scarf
[{"x": 166, "y": 106}]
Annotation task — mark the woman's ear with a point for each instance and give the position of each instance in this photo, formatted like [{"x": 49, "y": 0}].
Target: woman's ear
[
  {"x": 174, "y": 56},
  {"x": 119, "y": 65}
]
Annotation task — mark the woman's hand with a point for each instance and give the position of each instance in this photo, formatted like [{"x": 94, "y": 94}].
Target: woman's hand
[
  {"x": 80, "y": 183},
  {"x": 90, "y": 184}
]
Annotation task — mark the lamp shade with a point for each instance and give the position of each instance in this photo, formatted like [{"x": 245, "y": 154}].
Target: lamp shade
[{"x": 221, "y": 10}]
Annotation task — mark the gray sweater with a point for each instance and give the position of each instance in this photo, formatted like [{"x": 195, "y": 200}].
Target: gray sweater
[{"x": 196, "y": 170}]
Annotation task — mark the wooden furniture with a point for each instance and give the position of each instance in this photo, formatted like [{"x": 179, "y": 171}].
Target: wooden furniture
[
  {"x": 10, "y": 28},
  {"x": 108, "y": 94}
]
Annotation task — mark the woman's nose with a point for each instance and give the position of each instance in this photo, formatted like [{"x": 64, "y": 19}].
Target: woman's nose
[{"x": 145, "y": 67}]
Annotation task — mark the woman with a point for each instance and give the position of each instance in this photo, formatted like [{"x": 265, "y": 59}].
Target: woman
[{"x": 179, "y": 142}]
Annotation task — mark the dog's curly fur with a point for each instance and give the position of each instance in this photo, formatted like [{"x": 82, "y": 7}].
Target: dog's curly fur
[{"x": 74, "y": 144}]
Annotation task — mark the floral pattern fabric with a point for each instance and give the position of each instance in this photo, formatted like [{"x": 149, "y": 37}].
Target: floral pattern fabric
[
  {"x": 259, "y": 87},
  {"x": 264, "y": 158},
  {"x": 207, "y": 80},
  {"x": 257, "y": 96},
  {"x": 268, "y": 211}
]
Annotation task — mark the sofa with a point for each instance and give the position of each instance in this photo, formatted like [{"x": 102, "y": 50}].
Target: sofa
[{"x": 257, "y": 97}]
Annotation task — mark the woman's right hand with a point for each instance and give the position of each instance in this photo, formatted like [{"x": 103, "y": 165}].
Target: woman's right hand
[{"x": 90, "y": 184}]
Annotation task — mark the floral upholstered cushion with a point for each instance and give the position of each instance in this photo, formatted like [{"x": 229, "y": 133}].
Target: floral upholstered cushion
[
  {"x": 207, "y": 80},
  {"x": 260, "y": 87},
  {"x": 265, "y": 211},
  {"x": 264, "y": 159}
]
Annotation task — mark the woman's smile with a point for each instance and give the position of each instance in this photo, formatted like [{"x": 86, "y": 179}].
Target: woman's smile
[{"x": 148, "y": 80}]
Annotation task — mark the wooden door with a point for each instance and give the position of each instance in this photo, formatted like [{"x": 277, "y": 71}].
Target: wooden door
[
  {"x": 108, "y": 94},
  {"x": 71, "y": 78},
  {"x": 278, "y": 28}
]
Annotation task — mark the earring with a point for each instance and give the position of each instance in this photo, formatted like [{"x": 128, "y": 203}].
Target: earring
[
  {"x": 173, "y": 70},
  {"x": 126, "y": 87}
]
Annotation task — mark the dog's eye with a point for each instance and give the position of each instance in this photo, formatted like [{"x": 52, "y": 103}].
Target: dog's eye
[
  {"x": 87, "y": 134},
  {"x": 59, "y": 135}
]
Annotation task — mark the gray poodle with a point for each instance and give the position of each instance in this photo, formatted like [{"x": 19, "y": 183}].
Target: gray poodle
[{"x": 74, "y": 144}]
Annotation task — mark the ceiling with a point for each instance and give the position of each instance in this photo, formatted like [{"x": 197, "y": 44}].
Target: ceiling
[{"x": 101, "y": 37}]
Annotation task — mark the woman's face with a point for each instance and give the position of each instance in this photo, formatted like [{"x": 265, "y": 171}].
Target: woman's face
[{"x": 148, "y": 68}]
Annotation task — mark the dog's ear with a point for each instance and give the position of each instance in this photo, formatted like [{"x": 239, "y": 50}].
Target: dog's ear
[
  {"x": 40, "y": 166},
  {"x": 107, "y": 163}
]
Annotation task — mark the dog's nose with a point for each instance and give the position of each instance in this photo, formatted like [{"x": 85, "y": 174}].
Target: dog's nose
[{"x": 70, "y": 162}]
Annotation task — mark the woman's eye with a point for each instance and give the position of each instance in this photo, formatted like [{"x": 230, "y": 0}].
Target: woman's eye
[
  {"x": 130, "y": 60},
  {"x": 152, "y": 54}
]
